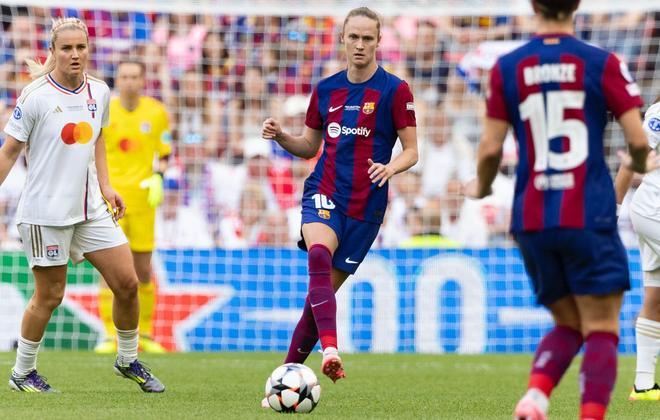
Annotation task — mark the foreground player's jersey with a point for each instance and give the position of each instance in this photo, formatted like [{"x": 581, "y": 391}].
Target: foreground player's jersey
[
  {"x": 132, "y": 140},
  {"x": 555, "y": 91},
  {"x": 359, "y": 122},
  {"x": 652, "y": 129},
  {"x": 60, "y": 127}
]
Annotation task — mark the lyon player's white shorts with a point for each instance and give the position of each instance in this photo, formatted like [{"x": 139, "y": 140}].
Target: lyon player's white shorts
[
  {"x": 648, "y": 235},
  {"x": 47, "y": 246}
]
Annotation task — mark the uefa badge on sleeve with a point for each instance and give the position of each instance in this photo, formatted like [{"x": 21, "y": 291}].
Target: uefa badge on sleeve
[{"x": 654, "y": 124}]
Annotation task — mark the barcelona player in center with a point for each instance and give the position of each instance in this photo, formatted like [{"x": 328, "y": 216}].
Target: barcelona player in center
[{"x": 358, "y": 114}]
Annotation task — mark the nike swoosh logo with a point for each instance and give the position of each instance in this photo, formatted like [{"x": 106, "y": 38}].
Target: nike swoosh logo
[
  {"x": 320, "y": 303},
  {"x": 333, "y": 109},
  {"x": 350, "y": 261},
  {"x": 302, "y": 352}
]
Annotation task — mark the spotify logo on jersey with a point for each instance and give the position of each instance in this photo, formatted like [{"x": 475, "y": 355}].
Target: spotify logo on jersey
[
  {"x": 334, "y": 129},
  {"x": 77, "y": 133}
]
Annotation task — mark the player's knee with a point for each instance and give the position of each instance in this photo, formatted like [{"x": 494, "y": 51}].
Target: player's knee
[
  {"x": 319, "y": 256},
  {"x": 565, "y": 313},
  {"x": 144, "y": 274},
  {"x": 651, "y": 307},
  {"x": 126, "y": 287},
  {"x": 572, "y": 322},
  {"x": 49, "y": 300},
  {"x": 605, "y": 325}
]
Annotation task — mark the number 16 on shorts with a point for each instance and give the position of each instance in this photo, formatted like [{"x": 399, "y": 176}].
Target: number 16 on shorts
[{"x": 323, "y": 205}]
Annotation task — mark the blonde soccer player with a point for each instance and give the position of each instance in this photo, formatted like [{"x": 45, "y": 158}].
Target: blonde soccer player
[
  {"x": 138, "y": 133},
  {"x": 62, "y": 214}
]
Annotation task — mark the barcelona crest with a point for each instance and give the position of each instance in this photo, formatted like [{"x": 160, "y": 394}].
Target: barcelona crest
[
  {"x": 368, "y": 107},
  {"x": 324, "y": 214}
]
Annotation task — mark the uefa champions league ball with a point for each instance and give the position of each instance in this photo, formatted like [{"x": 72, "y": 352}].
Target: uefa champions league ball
[{"x": 293, "y": 388}]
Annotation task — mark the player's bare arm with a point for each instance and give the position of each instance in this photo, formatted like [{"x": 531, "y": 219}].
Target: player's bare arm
[
  {"x": 637, "y": 143},
  {"x": 623, "y": 179},
  {"x": 402, "y": 162},
  {"x": 633, "y": 131},
  {"x": 638, "y": 159},
  {"x": 625, "y": 174},
  {"x": 8, "y": 154},
  {"x": 489, "y": 156},
  {"x": 115, "y": 200},
  {"x": 305, "y": 146}
]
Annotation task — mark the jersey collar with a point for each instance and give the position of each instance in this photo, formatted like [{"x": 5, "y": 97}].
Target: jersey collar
[
  {"x": 65, "y": 90},
  {"x": 554, "y": 35}
]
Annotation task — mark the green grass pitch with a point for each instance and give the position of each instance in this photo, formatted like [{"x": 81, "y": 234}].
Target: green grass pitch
[{"x": 231, "y": 385}]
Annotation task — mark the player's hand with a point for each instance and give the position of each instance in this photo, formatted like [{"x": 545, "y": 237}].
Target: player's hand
[
  {"x": 271, "y": 129},
  {"x": 471, "y": 190},
  {"x": 652, "y": 160},
  {"x": 114, "y": 201},
  {"x": 154, "y": 185},
  {"x": 379, "y": 173}
]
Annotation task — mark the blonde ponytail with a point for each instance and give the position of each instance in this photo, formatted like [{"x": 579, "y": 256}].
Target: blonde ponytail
[{"x": 38, "y": 69}]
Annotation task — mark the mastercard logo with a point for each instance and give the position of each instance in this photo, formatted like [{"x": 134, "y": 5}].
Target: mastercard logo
[
  {"x": 77, "y": 133},
  {"x": 127, "y": 145}
]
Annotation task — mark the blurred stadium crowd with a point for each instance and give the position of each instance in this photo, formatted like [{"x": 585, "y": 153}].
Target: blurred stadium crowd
[{"x": 221, "y": 76}]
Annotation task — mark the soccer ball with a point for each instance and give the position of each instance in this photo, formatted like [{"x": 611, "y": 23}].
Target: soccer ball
[{"x": 293, "y": 388}]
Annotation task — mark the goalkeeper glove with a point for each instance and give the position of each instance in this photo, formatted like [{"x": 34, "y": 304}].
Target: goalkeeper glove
[{"x": 155, "y": 186}]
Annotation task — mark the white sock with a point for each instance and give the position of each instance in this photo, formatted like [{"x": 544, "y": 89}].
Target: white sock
[
  {"x": 330, "y": 350},
  {"x": 127, "y": 346},
  {"x": 647, "y": 335},
  {"x": 26, "y": 357},
  {"x": 539, "y": 398}
]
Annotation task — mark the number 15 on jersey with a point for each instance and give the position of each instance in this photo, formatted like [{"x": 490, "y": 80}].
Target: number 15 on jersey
[{"x": 547, "y": 122}]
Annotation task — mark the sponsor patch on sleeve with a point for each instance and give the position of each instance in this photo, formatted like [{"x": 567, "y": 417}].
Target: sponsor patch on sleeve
[
  {"x": 410, "y": 106},
  {"x": 654, "y": 124}
]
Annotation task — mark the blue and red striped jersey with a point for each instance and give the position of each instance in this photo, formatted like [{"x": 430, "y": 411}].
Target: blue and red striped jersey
[
  {"x": 359, "y": 122},
  {"x": 556, "y": 92}
]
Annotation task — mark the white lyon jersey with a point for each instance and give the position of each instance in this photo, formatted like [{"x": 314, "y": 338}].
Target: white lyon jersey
[
  {"x": 646, "y": 201},
  {"x": 60, "y": 128}
]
